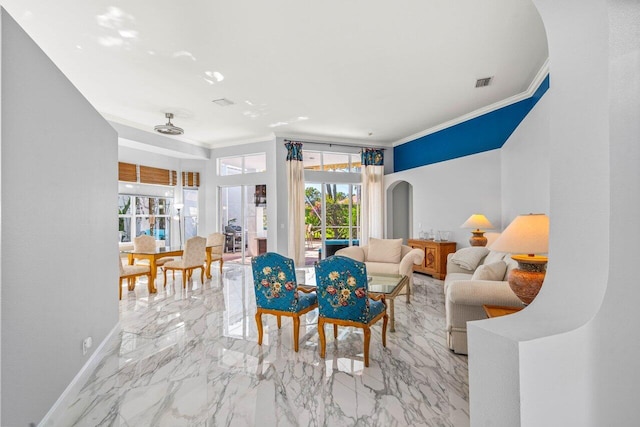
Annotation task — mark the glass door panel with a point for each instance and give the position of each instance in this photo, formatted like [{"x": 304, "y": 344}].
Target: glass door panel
[
  {"x": 332, "y": 218},
  {"x": 313, "y": 221},
  {"x": 244, "y": 222}
]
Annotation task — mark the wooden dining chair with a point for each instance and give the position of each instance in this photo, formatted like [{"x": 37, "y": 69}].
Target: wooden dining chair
[
  {"x": 216, "y": 242},
  {"x": 131, "y": 272},
  {"x": 193, "y": 257},
  {"x": 343, "y": 300},
  {"x": 147, "y": 244}
]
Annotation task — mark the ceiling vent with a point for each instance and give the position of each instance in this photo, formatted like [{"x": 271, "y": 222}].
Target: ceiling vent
[
  {"x": 483, "y": 82},
  {"x": 169, "y": 128},
  {"x": 223, "y": 102}
]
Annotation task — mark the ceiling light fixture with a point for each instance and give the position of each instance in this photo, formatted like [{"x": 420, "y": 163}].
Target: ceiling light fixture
[
  {"x": 483, "y": 81},
  {"x": 169, "y": 128},
  {"x": 223, "y": 102}
]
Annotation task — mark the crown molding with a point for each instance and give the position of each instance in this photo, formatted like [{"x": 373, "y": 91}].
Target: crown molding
[{"x": 535, "y": 83}]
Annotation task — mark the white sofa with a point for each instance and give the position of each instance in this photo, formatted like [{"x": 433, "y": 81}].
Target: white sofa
[
  {"x": 465, "y": 297},
  {"x": 401, "y": 258}
]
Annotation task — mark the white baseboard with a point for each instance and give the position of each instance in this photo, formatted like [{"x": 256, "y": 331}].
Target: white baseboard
[{"x": 58, "y": 408}]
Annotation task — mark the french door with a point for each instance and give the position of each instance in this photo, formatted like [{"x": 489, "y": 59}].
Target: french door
[
  {"x": 332, "y": 218},
  {"x": 243, "y": 215}
]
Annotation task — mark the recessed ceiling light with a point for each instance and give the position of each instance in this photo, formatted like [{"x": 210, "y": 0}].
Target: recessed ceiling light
[{"x": 223, "y": 102}]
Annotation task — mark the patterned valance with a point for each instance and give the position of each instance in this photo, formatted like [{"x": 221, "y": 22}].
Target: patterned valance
[
  {"x": 372, "y": 157},
  {"x": 294, "y": 151}
]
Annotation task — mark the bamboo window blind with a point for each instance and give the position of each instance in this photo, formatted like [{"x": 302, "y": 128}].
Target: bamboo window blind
[
  {"x": 190, "y": 179},
  {"x": 127, "y": 172},
  {"x": 146, "y": 174}
]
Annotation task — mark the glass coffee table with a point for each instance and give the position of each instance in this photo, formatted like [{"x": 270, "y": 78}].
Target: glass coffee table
[{"x": 388, "y": 285}]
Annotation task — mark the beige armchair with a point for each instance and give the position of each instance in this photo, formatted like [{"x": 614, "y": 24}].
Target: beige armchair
[
  {"x": 148, "y": 244},
  {"x": 216, "y": 242},
  {"x": 193, "y": 257},
  {"x": 388, "y": 256},
  {"x": 130, "y": 272}
]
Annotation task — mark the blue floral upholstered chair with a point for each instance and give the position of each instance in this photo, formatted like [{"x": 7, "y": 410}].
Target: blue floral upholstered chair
[
  {"x": 277, "y": 292},
  {"x": 343, "y": 299}
]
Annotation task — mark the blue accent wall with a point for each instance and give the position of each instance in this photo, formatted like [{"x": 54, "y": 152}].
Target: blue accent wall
[{"x": 483, "y": 133}]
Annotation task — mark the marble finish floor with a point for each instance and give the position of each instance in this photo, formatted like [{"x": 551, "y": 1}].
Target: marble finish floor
[{"x": 191, "y": 358}]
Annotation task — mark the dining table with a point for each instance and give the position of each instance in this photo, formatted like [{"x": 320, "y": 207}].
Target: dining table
[{"x": 166, "y": 251}]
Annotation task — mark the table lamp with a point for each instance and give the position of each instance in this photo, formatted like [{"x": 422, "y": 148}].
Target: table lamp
[
  {"x": 477, "y": 221},
  {"x": 526, "y": 236}
]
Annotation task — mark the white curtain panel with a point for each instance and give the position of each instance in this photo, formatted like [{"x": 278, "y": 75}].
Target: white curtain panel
[
  {"x": 372, "y": 203},
  {"x": 295, "y": 187}
]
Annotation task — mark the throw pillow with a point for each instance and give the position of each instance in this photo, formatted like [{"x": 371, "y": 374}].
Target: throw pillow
[
  {"x": 469, "y": 258},
  {"x": 493, "y": 257},
  {"x": 385, "y": 250},
  {"x": 494, "y": 271}
]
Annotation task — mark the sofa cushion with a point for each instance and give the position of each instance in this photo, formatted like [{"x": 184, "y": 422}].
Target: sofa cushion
[
  {"x": 494, "y": 271},
  {"x": 469, "y": 258},
  {"x": 385, "y": 250},
  {"x": 382, "y": 267},
  {"x": 453, "y": 277},
  {"x": 493, "y": 256}
]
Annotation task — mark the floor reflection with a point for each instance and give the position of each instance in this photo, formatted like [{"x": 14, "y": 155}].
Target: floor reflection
[{"x": 190, "y": 357}]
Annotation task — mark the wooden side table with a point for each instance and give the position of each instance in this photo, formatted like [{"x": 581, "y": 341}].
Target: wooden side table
[
  {"x": 435, "y": 256},
  {"x": 499, "y": 310},
  {"x": 262, "y": 245}
]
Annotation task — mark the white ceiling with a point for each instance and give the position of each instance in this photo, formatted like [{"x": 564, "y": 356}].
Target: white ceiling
[{"x": 346, "y": 70}]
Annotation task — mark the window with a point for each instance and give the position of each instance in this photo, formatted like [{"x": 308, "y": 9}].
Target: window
[
  {"x": 190, "y": 198},
  {"x": 331, "y": 162},
  {"x": 144, "y": 215},
  {"x": 250, "y": 163}
]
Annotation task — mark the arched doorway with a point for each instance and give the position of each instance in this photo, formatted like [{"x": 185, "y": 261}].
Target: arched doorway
[{"x": 399, "y": 210}]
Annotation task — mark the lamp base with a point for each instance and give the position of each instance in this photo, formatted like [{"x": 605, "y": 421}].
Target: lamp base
[
  {"x": 526, "y": 280},
  {"x": 478, "y": 238}
]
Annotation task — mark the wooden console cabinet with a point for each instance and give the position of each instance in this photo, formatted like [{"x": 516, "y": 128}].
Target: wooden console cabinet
[{"x": 435, "y": 256}]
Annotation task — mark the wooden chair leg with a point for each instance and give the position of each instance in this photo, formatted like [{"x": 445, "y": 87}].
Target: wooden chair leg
[
  {"x": 132, "y": 283},
  {"x": 165, "y": 278},
  {"x": 221, "y": 262},
  {"x": 367, "y": 339},
  {"x": 279, "y": 322},
  {"x": 259, "y": 325},
  {"x": 202, "y": 275},
  {"x": 385, "y": 319},
  {"x": 321, "y": 336},
  {"x": 120, "y": 287},
  {"x": 335, "y": 331},
  {"x": 296, "y": 332},
  {"x": 184, "y": 279},
  {"x": 149, "y": 283}
]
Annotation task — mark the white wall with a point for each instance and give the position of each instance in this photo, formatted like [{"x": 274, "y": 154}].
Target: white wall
[
  {"x": 445, "y": 194},
  {"x": 564, "y": 369},
  {"x": 613, "y": 340},
  {"x": 525, "y": 166},
  {"x": 58, "y": 256}
]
